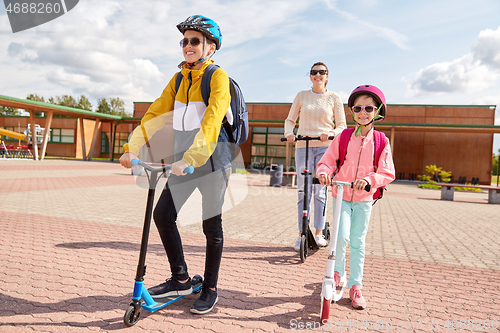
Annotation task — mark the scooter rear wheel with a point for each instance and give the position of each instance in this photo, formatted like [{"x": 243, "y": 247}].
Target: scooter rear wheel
[
  {"x": 129, "y": 319},
  {"x": 303, "y": 248},
  {"x": 326, "y": 231},
  {"x": 325, "y": 309}
]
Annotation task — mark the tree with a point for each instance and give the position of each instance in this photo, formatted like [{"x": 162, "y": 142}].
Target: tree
[
  {"x": 115, "y": 106},
  {"x": 36, "y": 98},
  {"x": 84, "y": 103},
  {"x": 103, "y": 106},
  {"x": 67, "y": 100},
  {"x": 494, "y": 169},
  {"x": 6, "y": 111}
]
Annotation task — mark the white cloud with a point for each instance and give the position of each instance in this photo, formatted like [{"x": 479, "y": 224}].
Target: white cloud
[
  {"x": 113, "y": 48},
  {"x": 367, "y": 28},
  {"x": 486, "y": 49},
  {"x": 470, "y": 73}
]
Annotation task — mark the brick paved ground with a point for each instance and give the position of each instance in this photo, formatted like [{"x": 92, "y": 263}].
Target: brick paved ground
[{"x": 70, "y": 240}]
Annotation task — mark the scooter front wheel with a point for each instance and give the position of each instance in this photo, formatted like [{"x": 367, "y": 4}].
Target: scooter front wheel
[
  {"x": 130, "y": 318},
  {"x": 325, "y": 310},
  {"x": 303, "y": 248}
]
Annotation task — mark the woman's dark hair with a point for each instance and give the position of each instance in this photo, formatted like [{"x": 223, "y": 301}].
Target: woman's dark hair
[{"x": 319, "y": 63}]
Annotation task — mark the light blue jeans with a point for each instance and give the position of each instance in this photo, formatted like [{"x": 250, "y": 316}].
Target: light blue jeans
[
  {"x": 354, "y": 221},
  {"x": 315, "y": 154}
]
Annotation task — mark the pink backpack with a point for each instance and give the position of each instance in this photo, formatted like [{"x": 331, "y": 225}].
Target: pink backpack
[{"x": 380, "y": 141}]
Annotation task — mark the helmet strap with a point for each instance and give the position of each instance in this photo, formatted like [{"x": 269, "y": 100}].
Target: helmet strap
[{"x": 376, "y": 117}]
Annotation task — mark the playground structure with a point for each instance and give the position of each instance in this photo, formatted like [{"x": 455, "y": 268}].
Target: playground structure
[{"x": 24, "y": 151}]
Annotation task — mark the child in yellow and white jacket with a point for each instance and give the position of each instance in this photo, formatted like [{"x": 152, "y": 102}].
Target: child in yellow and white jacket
[{"x": 200, "y": 141}]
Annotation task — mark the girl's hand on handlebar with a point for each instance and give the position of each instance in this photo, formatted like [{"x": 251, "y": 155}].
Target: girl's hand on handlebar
[
  {"x": 359, "y": 184},
  {"x": 125, "y": 159},
  {"x": 324, "y": 179},
  {"x": 290, "y": 138},
  {"x": 323, "y": 137},
  {"x": 179, "y": 167}
]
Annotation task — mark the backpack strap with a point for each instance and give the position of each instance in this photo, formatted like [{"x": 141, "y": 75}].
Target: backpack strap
[
  {"x": 178, "y": 80},
  {"x": 345, "y": 136},
  {"x": 205, "y": 82},
  {"x": 380, "y": 141},
  {"x": 205, "y": 94}
]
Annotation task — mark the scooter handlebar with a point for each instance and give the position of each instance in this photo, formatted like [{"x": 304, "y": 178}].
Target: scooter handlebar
[
  {"x": 367, "y": 188},
  {"x": 306, "y": 138},
  {"x": 136, "y": 162}
]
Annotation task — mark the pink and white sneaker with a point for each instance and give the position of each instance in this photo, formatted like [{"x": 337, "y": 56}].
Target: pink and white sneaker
[{"x": 357, "y": 300}]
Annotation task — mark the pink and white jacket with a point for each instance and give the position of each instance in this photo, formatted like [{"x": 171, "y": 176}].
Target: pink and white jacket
[{"x": 358, "y": 164}]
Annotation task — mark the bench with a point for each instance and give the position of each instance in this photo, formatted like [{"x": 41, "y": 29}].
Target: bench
[
  {"x": 447, "y": 191},
  {"x": 289, "y": 178}
]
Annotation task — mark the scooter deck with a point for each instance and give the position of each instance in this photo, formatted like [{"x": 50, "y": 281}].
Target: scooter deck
[{"x": 160, "y": 303}]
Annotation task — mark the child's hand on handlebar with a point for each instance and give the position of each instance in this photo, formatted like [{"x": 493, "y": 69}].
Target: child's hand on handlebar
[
  {"x": 125, "y": 159},
  {"x": 179, "y": 167},
  {"x": 324, "y": 179},
  {"x": 290, "y": 138},
  {"x": 359, "y": 184},
  {"x": 324, "y": 137}
]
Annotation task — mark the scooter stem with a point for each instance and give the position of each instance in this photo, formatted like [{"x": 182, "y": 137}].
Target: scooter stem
[{"x": 330, "y": 266}]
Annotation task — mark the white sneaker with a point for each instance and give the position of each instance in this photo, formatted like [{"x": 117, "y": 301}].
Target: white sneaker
[
  {"x": 320, "y": 240},
  {"x": 296, "y": 247}
]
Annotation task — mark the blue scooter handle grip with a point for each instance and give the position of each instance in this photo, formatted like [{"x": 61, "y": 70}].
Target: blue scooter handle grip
[
  {"x": 189, "y": 169},
  {"x": 298, "y": 138}
]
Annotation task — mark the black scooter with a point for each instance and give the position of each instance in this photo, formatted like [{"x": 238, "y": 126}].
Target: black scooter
[{"x": 307, "y": 241}]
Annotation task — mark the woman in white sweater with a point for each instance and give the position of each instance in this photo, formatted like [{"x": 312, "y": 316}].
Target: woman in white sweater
[{"x": 320, "y": 113}]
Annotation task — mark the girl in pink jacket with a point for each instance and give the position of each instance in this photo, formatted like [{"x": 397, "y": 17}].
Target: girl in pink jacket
[{"x": 367, "y": 103}]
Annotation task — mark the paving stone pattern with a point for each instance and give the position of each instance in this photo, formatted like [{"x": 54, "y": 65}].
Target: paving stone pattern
[{"x": 71, "y": 234}]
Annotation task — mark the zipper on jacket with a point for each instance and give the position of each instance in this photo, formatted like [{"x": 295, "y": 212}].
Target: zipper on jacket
[
  {"x": 357, "y": 166},
  {"x": 187, "y": 100}
]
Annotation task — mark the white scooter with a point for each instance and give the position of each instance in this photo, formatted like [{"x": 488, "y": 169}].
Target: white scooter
[{"x": 330, "y": 292}]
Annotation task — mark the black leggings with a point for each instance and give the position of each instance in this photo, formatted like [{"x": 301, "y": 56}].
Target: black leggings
[{"x": 176, "y": 192}]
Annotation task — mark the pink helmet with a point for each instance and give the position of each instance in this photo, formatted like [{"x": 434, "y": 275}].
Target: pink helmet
[{"x": 374, "y": 92}]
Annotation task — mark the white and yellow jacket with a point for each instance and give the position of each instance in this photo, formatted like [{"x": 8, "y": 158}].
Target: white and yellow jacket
[{"x": 197, "y": 127}]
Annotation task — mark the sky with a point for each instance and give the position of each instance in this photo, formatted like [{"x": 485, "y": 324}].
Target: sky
[{"x": 417, "y": 52}]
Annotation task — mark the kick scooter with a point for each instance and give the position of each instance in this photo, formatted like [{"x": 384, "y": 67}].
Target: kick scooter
[
  {"x": 307, "y": 241},
  {"x": 140, "y": 292},
  {"x": 330, "y": 292}
]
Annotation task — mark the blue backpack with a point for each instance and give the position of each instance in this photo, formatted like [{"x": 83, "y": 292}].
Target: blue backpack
[{"x": 239, "y": 128}]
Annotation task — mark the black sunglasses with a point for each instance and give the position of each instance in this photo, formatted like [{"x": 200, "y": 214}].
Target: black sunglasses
[
  {"x": 194, "y": 42},
  {"x": 320, "y": 71}
]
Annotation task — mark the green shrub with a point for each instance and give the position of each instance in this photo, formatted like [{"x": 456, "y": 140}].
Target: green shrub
[{"x": 434, "y": 172}]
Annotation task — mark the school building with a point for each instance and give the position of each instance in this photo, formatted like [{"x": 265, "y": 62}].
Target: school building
[{"x": 458, "y": 138}]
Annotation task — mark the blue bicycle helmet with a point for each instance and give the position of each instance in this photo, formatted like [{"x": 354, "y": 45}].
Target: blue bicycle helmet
[{"x": 204, "y": 25}]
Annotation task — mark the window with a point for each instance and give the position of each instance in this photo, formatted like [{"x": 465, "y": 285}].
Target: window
[
  {"x": 267, "y": 147},
  {"x": 62, "y": 135},
  {"x": 104, "y": 143},
  {"x": 120, "y": 140}
]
